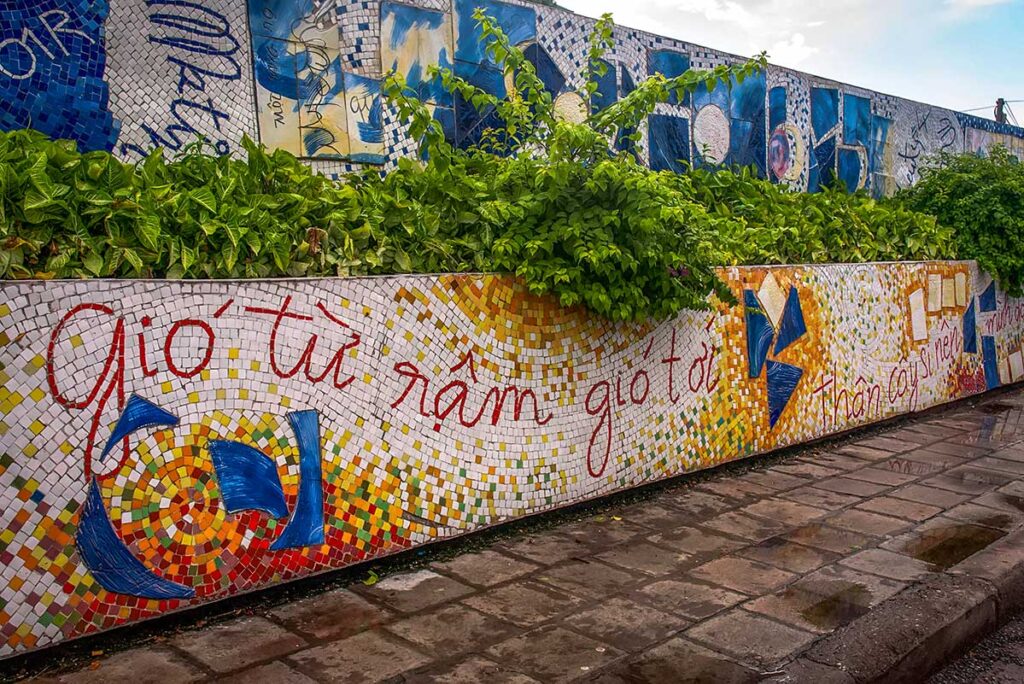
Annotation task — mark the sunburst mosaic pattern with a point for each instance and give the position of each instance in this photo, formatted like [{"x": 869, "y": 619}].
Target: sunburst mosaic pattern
[{"x": 165, "y": 444}]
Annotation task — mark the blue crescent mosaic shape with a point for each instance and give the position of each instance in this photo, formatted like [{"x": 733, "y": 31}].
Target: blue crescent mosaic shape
[
  {"x": 782, "y": 381},
  {"x": 306, "y": 527},
  {"x": 248, "y": 479},
  {"x": 759, "y": 333},
  {"x": 792, "y": 327},
  {"x": 111, "y": 563},
  {"x": 137, "y": 414}
]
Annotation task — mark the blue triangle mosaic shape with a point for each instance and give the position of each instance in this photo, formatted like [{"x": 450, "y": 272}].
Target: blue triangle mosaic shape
[
  {"x": 759, "y": 333},
  {"x": 792, "y": 327},
  {"x": 988, "y": 298},
  {"x": 970, "y": 330},
  {"x": 782, "y": 381}
]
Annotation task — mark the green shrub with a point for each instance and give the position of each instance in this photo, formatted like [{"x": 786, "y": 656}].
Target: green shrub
[
  {"x": 766, "y": 223},
  {"x": 982, "y": 199},
  {"x": 551, "y": 201}
]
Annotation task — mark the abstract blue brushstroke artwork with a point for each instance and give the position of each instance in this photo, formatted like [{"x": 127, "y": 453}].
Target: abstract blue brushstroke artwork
[
  {"x": 518, "y": 23},
  {"x": 991, "y": 362},
  {"x": 137, "y": 414},
  {"x": 792, "y": 326},
  {"x": 52, "y": 66},
  {"x": 988, "y": 298},
  {"x": 111, "y": 563},
  {"x": 971, "y": 330},
  {"x": 759, "y": 333},
  {"x": 412, "y": 40},
  {"x": 365, "y": 119},
  {"x": 669, "y": 141},
  {"x": 248, "y": 479},
  {"x": 306, "y": 526},
  {"x": 782, "y": 382}
]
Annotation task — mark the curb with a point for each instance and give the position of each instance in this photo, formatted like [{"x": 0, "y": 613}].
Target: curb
[{"x": 913, "y": 634}]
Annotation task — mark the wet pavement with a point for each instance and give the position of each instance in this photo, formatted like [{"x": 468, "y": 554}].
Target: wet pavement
[{"x": 723, "y": 579}]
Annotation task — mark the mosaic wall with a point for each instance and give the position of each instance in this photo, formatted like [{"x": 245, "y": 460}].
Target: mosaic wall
[
  {"x": 304, "y": 75},
  {"x": 165, "y": 444}
]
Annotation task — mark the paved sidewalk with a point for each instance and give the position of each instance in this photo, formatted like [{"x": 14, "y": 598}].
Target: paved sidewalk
[{"x": 738, "y": 578}]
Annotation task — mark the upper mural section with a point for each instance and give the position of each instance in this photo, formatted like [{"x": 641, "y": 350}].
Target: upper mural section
[{"x": 304, "y": 76}]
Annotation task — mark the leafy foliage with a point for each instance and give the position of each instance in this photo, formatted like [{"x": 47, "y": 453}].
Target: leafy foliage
[
  {"x": 764, "y": 223},
  {"x": 982, "y": 199},
  {"x": 556, "y": 202}
]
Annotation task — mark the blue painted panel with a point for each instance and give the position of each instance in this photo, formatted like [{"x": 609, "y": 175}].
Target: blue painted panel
[
  {"x": 518, "y": 23},
  {"x": 53, "y": 63},
  {"x": 823, "y": 166},
  {"x": 111, "y": 563},
  {"x": 971, "y": 330},
  {"x": 991, "y": 362},
  {"x": 988, "y": 298},
  {"x": 850, "y": 170},
  {"x": 547, "y": 70},
  {"x": 824, "y": 111},
  {"x": 248, "y": 479},
  {"x": 856, "y": 120},
  {"x": 607, "y": 89},
  {"x": 446, "y": 117},
  {"x": 777, "y": 107},
  {"x": 876, "y": 154},
  {"x": 626, "y": 86},
  {"x": 669, "y": 140},
  {"x": 719, "y": 96},
  {"x": 782, "y": 383},
  {"x": 669, "y": 64},
  {"x": 747, "y": 145},
  {"x": 306, "y": 526},
  {"x": 137, "y": 415},
  {"x": 759, "y": 333},
  {"x": 469, "y": 122},
  {"x": 748, "y": 99},
  {"x": 792, "y": 327}
]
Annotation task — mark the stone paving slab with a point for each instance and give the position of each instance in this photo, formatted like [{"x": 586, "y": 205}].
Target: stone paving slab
[{"x": 789, "y": 572}]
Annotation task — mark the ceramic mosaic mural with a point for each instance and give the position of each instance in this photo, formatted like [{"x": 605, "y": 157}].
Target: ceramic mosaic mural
[
  {"x": 305, "y": 76},
  {"x": 163, "y": 444}
]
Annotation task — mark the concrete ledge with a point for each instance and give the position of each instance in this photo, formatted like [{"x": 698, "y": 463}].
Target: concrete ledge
[{"x": 916, "y": 632}]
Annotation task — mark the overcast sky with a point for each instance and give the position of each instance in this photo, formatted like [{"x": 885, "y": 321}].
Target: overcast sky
[{"x": 955, "y": 53}]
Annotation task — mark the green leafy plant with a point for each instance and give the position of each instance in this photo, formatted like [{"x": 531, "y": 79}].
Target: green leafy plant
[
  {"x": 558, "y": 203},
  {"x": 982, "y": 200}
]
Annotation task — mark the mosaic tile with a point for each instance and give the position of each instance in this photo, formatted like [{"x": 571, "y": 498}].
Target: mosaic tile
[{"x": 258, "y": 432}]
